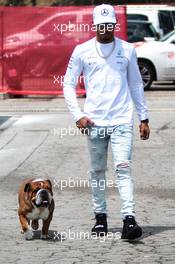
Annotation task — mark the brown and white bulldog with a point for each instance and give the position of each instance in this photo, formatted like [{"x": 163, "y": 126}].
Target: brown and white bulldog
[{"x": 35, "y": 202}]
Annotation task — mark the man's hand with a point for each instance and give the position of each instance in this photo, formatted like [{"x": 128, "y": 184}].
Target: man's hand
[
  {"x": 83, "y": 124},
  {"x": 144, "y": 131}
]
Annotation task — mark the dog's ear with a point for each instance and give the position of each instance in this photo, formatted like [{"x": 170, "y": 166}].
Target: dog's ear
[
  {"x": 49, "y": 183},
  {"x": 27, "y": 187}
]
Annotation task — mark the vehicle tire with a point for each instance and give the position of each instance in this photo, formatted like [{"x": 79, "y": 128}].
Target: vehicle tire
[
  {"x": 147, "y": 72},
  {"x": 37, "y": 67}
]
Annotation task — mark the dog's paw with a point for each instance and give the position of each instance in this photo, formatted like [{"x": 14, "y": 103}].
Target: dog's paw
[
  {"x": 29, "y": 234},
  {"x": 44, "y": 236}
]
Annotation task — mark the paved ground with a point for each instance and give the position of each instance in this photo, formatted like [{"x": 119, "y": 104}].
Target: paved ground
[{"x": 31, "y": 146}]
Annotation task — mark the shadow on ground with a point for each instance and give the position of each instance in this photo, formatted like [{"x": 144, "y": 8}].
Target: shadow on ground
[
  {"x": 53, "y": 236},
  {"x": 147, "y": 231}
]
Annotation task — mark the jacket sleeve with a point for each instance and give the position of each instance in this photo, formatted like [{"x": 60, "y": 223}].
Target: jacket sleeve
[
  {"x": 135, "y": 84},
  {"x": 73, "y": 72}
]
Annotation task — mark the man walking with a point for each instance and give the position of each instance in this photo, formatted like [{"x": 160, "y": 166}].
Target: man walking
[{"x": 113, "y": 83}]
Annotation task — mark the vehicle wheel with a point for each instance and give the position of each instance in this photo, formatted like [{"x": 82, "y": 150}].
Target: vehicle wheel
[
  {"x": 37, "y": 67},
  {"x": 147, "y": 73}
]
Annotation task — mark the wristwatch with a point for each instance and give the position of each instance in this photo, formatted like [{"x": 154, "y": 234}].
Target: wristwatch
[{"x": 145, "y": 121}]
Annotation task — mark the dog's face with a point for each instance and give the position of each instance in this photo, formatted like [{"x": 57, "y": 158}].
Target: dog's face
[{"x": 39, "y": 192}]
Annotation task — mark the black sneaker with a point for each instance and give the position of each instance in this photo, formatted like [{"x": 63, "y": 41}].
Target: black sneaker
[
  {"x": 100, "y": 228},
  {"x": 131, "y": 230}
]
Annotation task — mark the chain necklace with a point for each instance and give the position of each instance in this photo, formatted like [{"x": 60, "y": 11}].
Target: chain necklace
[{"x": 108, "y": 55}]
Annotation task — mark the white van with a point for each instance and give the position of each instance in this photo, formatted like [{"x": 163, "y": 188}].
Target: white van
[{"x": 161, "y": 16}]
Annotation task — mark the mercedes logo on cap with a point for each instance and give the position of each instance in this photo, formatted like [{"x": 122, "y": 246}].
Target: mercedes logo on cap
[{"x": 104, "y": 12}]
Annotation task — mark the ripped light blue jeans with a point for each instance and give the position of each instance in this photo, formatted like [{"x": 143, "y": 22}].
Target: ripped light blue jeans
[{"x": 120, "y": 138}]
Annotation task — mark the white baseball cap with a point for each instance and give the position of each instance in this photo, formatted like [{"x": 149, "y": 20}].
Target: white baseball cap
[{"x": 104, "y": 14}]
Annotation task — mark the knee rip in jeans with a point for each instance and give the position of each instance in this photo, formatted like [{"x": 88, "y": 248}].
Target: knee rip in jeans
[{"x": 123, "y": 165}]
